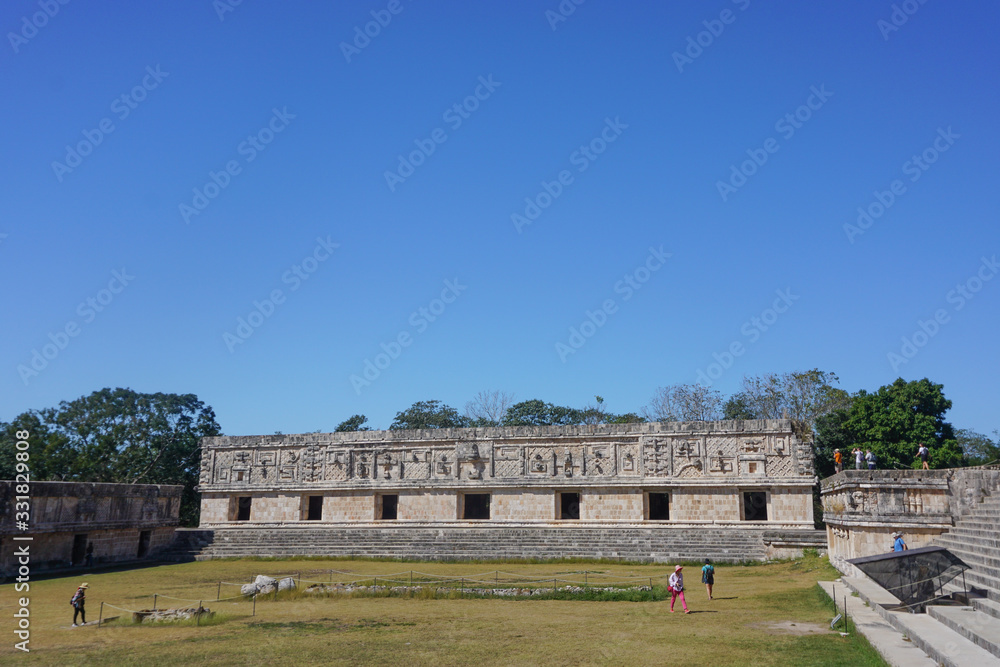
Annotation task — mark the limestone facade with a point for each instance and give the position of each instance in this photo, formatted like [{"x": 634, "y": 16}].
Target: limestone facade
[
  {"x": 681, "y": 473},
  {"x": 863, "y": 508},
  {"x": 121, "y": 521}
]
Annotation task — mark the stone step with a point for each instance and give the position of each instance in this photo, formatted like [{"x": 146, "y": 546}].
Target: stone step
[
  {"x": 943, "y": 644},
  {"x": 980, "y": 628},
  {"x": 987, "y": 606}
]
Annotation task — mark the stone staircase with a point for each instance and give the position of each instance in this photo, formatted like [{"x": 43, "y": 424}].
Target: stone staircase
[
  {"x": 187, "y": 545},
  {"x": 975, "y": 538},
  {"x": 660, "y": 544}
]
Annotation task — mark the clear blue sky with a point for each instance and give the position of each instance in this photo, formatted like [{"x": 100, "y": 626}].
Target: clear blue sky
[{"x": 660, "y": 134}]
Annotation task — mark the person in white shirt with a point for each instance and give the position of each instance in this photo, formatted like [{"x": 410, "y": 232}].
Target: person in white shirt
[{"x": 677, "y": 589}]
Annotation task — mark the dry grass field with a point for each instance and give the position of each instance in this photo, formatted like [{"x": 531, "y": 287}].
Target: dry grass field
[{"x": 770, "y": 614}]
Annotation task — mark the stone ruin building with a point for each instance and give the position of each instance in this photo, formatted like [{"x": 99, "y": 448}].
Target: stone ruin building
[
  {"x": 732, "y": 490},
  {"x": 119, "y": 522}
]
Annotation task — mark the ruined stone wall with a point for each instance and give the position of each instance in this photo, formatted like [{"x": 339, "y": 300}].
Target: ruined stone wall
[
  {"x": 429, "y": 505},
  {"x": 109, "y": 516}
]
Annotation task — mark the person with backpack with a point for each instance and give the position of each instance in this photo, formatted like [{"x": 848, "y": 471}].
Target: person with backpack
[
  {"x": 859, "y": 458},
  {"x": 870, "y": 457},
  {"x": 708, "y": 576},
  {"x": 78, "y": 601},
  {"x": 838, "y": 461},
  {"x": 923, "y": 454},
  {"x": 677, "y": 589}
]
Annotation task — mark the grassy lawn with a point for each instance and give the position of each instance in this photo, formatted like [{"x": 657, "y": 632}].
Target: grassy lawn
[{"x": 750, "y": 621}]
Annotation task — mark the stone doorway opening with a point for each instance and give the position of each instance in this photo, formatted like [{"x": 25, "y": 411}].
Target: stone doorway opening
[
  {"x": 569, "y": 505},
  {"x": 659, "y": 506},
  {"x": 476, "y": 506},
  {"x": 314, "y": 512},
  {"x": 755, "y": 505}
]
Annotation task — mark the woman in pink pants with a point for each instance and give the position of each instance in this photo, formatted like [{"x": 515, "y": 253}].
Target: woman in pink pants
[{"x": 677, "y": 589}]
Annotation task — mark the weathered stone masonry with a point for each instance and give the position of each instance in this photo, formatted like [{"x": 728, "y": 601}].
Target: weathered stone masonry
[
  {"x": 122, "y": 521},
  {"x": 682, "y": 473}
]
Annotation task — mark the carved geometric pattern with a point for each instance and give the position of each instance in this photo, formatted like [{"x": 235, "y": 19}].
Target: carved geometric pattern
[
  {"x": 780, "y": 466},
  {"x": 415, "y": 469},
  {"x": 507, "y": 468}
]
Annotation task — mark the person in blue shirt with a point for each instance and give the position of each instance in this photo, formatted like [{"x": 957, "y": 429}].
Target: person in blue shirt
[
  {"x": 708, "y": 576},
  {"x": 898, "y": 544}
]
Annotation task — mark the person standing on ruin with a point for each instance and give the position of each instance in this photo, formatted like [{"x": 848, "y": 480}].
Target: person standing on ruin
[
  {"x": 838, "y": 461},
  {"x": 870, "y": 457},
  {"x": 708, "y": 576},
  {"x": 859, "y": 459},
  {"x": 78, "y": 601},
  {"x": 677, "y": 589},
  {"x": 923, "y": 454}
]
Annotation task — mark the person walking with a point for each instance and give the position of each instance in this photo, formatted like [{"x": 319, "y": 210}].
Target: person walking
[
  {"x": 708, "y": 576},
  {"x": 78, "y": 601},
  {"x": 838, "y": 461},
  {"x": 923, "y": 454},
  {"x": 870, "y": 457},
  {"x": 898, "y": 544},
  {"x": 677, "y": 589},
  {"x": 859, "y": 459}
]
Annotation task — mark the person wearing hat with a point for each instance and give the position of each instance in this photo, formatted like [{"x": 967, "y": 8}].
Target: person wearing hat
[
  {"x": 78, "y": 600},
  {"x": 898, "y": 544},
  {"x": 923, "y": 454},
  {"x": 838, "y": 460},
  {"x": 677, "y": 589}
]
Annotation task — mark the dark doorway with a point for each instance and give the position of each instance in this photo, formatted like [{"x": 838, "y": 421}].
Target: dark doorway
[
  {"x": 477, "y": 506},
  {"x": 79, "y": 548},
  {"x": 569, "y": 505},
  {"x": 243, "y": 504},
  {"x": 144, "y": 537},
  {"x": 755, "y": 506},
  {"x": 315, "y": 510},
  {"x": 659, "y": 506},
  {"x": 390, "y": 503}
]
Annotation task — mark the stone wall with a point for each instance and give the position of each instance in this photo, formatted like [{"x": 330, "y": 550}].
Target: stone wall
[
  {"x": 111, "y": 517},
  {"x": 704, "y": 467},
  {"x": 862, "y": 508}
]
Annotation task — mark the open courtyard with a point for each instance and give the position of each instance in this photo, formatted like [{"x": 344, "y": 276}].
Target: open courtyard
[{"x": 770, "y": 614}]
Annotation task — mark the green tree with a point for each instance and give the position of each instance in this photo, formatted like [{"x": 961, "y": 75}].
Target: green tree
[
  {"x": 737, "y": 406},
  {"x": 353, "y": 423},
  {"x": 429, "y": 414},
  {"x": 892, "y": 422},
  {"x": 121, "y": 436},
  {"x": 539, "y": 413},
  {"x": 800, "y": 395},
  {"x": 977, "y": 447}
]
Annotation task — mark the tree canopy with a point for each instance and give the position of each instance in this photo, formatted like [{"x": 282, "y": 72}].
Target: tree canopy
[
  {"x": 121, "y": 436},
  {"x": 429, "y": 414},
  {"x": 892, "y": 422}
]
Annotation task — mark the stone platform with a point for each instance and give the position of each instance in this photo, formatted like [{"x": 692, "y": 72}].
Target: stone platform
[{"x": 490, "y": 541}]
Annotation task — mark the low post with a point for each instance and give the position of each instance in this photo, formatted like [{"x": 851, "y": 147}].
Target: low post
[
  {"x": 554, "y": 580},
  {"x": 497, "y": 578},
  {"x": 218, "y": 593},
  {"x": 100, "y": 616},
  {"x": 275, "y": 591},
  {"x": 299, "y": 586},
  {"x": 154, "y": 601},
  {"x": 411, "y": 578},
  {"x": 585, "y": 578},
  {"x": 375, "y": 586},
  {"x": 254, "y": 612},
  {"x": 197, "y": 614}
]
